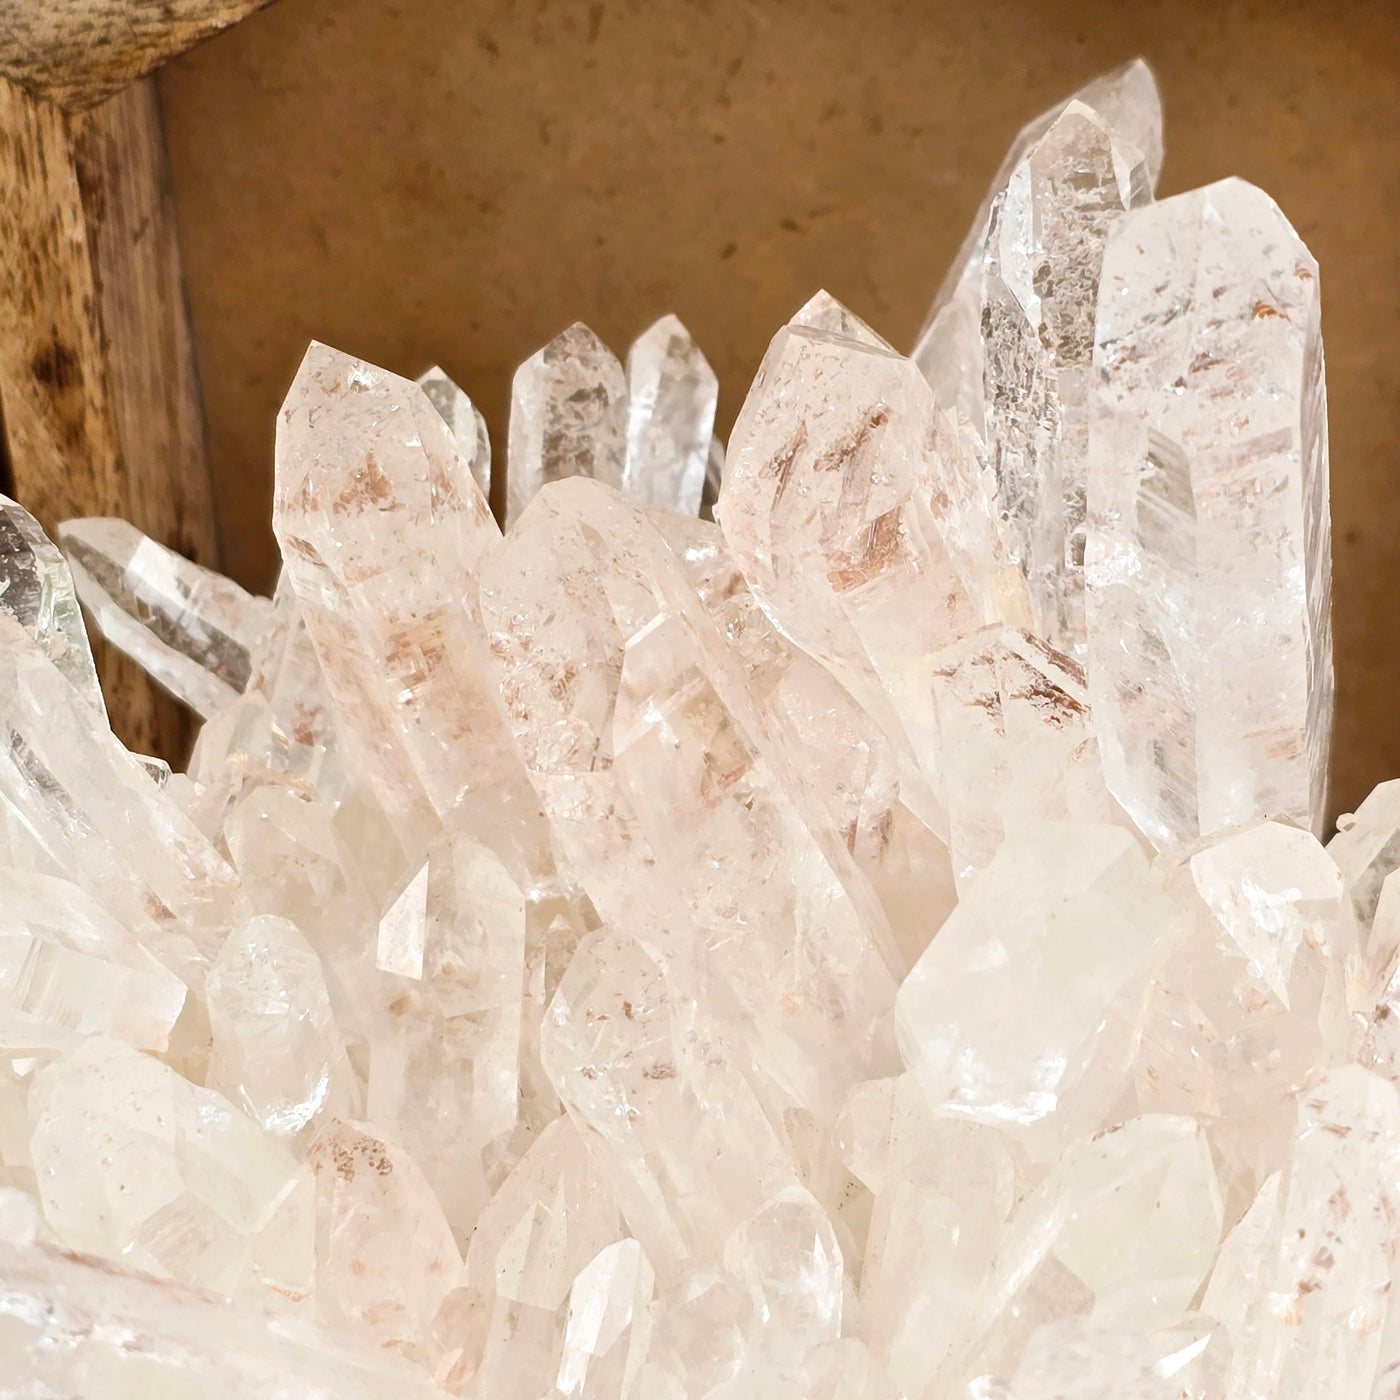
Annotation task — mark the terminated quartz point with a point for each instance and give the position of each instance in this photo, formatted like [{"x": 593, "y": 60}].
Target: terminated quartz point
[
  {"x": 192, "y": 629},
  {"x": 1040, "y": 282},
  {"x": 36, "y": 589},
  {"x": 568, "y": 417},
  {"x": 672, "y": 392},
  {"x": 464, "y": 421},
  {"x": 1208, "y": 561},
  {"x": 841, "y": 950}
]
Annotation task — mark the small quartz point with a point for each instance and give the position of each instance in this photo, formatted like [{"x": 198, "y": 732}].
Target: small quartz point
[
  {"x": 88, "y": 808},
  {"x": 403, "y": 929},
  {"x": 1040, "y": 281},
  {"x": 445, "y": 1045},
  {"x": 609, "y": 1325},
  {"x": 1209, "y": 556},
  {"x": 276, "y": 1049},
  {"x": 949, "y": 349},
  {"x": 824, "y": 313},
  {"x": 672, "y": 393},
  {"x": 1367, "y": 849},
  {"x": 657, "y": 1091},
  {"x": 1062, "y": 924},
  {"x": 1316, "y": 1267},
  {"x": 568, "y": 417},
  {"x": 137, "y": 1164},
  {"x": 36, "y": 589},
  {"x": 385, "y": 1254},
  {"x": 192, "y": 629},
  {"x": 464, "y": 421},
  {"x": 68, "y": 969}
]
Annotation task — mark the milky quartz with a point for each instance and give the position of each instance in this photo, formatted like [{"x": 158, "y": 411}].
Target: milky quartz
[{"x": 871, "y": 944}]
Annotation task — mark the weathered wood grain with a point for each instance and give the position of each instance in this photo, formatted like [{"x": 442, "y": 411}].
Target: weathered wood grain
[
  {"x": 98, "y": 388},
  {"x": 79, "y": 52}
]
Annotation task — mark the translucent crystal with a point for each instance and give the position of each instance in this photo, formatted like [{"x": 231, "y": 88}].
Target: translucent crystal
[
  {"x": 382, "y": 529},
  {"x": 671, "y": 397},
  {"x": 276, "y": 1049},
  {"x": 68, "y": 969},
  {"x": 1018, "y": 741},
  {"x": 385, "y": 1255},
  {"x": 76, "y": 1326},
  {"x": 192, "y": 629},
  {"x": 949, "y": 349},
  {"x": 568, "y": 417},
  {"x": 1040, "y": 282},
  {"x": 464, "y": 421},
  {"x": 1063, "y": 925},
  {"x": 830, "y": 505},
  {"x": 609, "y": 1325},
  {"x": 444, "y": 1062},
  {"x": 136, "y": 1163},
  {"x": 1367, "y": 847},
  {"x": 36, "y": 589},
  {"x": 1209, "y": 558}
]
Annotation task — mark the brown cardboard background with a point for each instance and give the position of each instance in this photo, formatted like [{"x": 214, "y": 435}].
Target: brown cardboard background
[{"x": 438, "y": 180}]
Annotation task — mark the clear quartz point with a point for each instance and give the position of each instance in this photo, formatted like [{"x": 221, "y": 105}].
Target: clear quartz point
[
  {"x": 36, "y": 589},
  {"x": 672, "y": 392},
  {"x": 568, "y": 417},
  {"x": 1209, "y": 552},
  {"x": 192, "y": 629},
  {"x": 464, "y": 421}
]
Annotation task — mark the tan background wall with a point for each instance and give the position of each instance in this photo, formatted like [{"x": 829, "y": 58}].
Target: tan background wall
[{"x": 421, "y": 180}]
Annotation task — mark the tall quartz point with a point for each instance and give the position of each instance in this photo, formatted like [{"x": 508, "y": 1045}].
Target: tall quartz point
[
  {"x": 831, "y": 504},
  {"x": 672, "y": 393},
  {"x": 36, "y": 589},
  {"x": 465, "y": 422},
  {"x": 568, "y": 417},
  {"x": 192, "y": 629},
  {"x": 1040, "y": 282},
  {"x": 1209, "y": 555},
  {"x": 1064, "y": 925},
  {"x": 949, "y": 349},
  {"x": 382, "y": 530}
]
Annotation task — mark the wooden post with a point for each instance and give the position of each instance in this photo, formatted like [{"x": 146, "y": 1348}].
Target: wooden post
[{"x": 99, "y": 396}]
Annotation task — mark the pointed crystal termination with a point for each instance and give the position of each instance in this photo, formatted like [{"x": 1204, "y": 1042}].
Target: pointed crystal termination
[
  {"x": 1063, "y": 924},
  {"x": 656, "y": 1090},
  {"x": 568, "y": 417},
  {"x": 465, "y": 422},
  {"x": 1309, "y": 1287},
  {"x": 1040, "y": 281},
  {"x": 383, "y": 530},
  {"x": 189, "y": 1183},
  {"x": 829, "y": 506},
  {"x": 949, "y": 348},
  {"x": 276, "y": 1048},
  {"x": 1209, "y": 557},
  {"x": 672, "y": 393},
  {"x": 824, "y": 313},
  {"x": 92, "y": 810},
  {"x": 714, "y": 473},
  {"x": 36, "y": 589},
  {"x": 190, "y": 628}
]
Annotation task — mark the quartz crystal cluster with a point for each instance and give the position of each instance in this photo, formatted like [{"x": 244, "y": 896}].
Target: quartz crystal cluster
[{"x": 840, "y": 918}]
